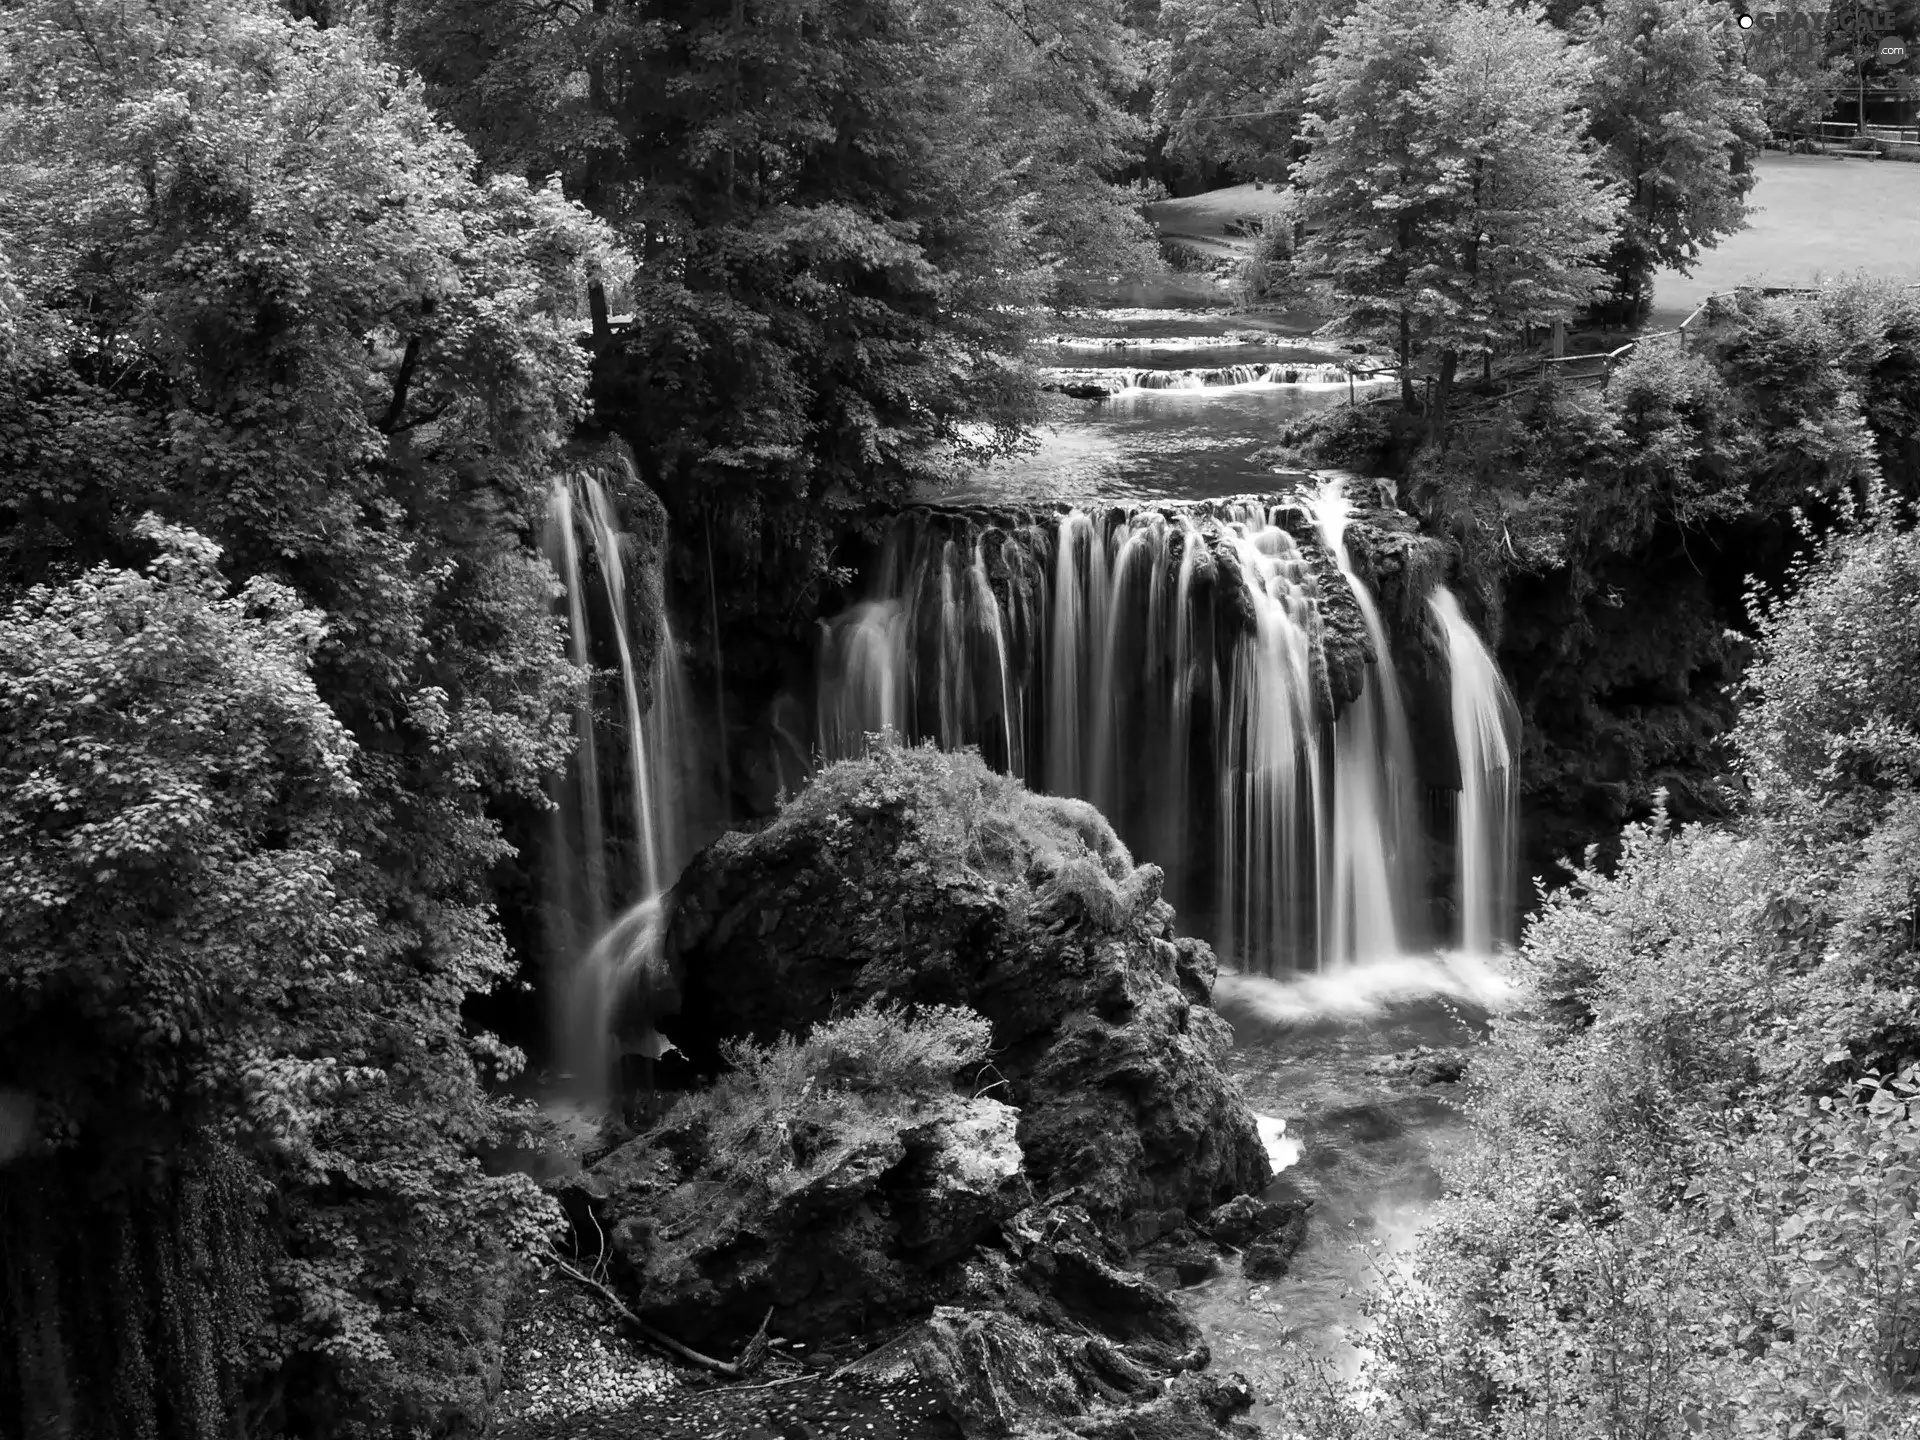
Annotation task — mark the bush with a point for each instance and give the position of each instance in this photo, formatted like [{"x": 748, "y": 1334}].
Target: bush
[
  {"x": 1184, "y": 258},
  {"x": 780, "y": 1107},
  {"x": 1266, "y": 273}
]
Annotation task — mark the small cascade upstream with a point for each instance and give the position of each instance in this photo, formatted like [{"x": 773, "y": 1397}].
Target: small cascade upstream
[
  {"x": 1116, "y": 379},
  {"x": 618, "y": 828},
  {"x": 1169, "y": 664}
]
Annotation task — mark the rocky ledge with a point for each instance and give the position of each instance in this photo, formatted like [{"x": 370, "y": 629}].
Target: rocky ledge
[
  {"x": 925, "y": 878},
  {"x": 958, "y": 1111}
]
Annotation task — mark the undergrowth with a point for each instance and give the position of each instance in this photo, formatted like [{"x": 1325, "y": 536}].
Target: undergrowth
[{"x": 1689, "y": 1202}]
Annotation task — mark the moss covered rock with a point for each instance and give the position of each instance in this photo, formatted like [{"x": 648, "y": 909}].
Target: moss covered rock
[
  {"x": 830, "y": 1180},
  {"x": 924, "y": 877}
]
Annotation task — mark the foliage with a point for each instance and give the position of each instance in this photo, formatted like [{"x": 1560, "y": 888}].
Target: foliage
[
  {"x": 1835, "y": 717},
  {"x": 1689, "y": 1203},
  {"x": 1454, "y": 198},
  {"x": 1231, "y": 78},
  {"x": 1774, "y": 403},
  {"x": 780, "y": 1107},
  {"x": 841, "y": 211},
  {"x": 1852, "y": 32},
  {"x": 1268, "y": 273},
  {"x": 256, "y": 289},
  {"x": 952, "y": 819},
  {"x": 1785, "y": 53},
  {"x": 1677, "y": 117}
]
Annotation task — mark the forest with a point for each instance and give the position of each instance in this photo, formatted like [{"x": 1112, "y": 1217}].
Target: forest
[{"x": 705, "y": 730}]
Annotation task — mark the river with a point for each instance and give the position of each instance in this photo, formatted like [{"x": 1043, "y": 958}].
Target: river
[{"x": 1349, "y": 1070}]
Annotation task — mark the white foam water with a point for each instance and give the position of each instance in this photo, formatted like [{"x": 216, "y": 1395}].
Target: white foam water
[
  {"x": 1372, "y": 987},
  {"x": 1283, "y": 1150}
]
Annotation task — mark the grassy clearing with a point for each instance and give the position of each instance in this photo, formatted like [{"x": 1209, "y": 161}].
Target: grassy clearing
[{"x": 1813, "y": 215}]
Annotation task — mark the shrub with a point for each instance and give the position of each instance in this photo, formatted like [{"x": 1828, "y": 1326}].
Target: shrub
[
  {"x": 1184, "y": 258},
  {"x": 780, "y": 1107},
  {"x": 1267, "y": 271}
]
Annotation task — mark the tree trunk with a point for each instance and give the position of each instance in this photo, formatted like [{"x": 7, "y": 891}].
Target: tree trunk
[
  {"x": 1407, "y": 400},
  {"x": 1442, "y": 392}
]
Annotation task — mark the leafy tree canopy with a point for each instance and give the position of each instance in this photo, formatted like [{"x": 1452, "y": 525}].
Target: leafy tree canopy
[
  {"x": 1678, "y": 116},
  {"x": 1231, "y": 79},
  {"x": 1455, "y": 199},
  {"x": 253, "y": 287}
]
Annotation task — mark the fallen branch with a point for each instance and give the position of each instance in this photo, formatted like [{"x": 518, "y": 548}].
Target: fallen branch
[{"x": 664, "y": 1341}]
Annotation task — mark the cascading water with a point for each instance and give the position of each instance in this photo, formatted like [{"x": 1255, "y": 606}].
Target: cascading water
[
  {"x": 1167, "y": 665},
  {"x": 1215, "y": 377},
  {"x": 1486, "y": 725},
  {"x": 1371, "y": 893},
  {"x": 618, "y": 824}
]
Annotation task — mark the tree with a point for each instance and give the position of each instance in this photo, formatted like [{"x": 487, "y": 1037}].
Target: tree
[
  {"x": 1853, "y": 31},
  {"x": 1531, "y": 211},
  {"x": 1231, "y": 80},
  {"x": 1786, "y": 53},
  {"x": 258, "y": 290},
  {"x": 1678, "y": 117},
  {"x": 1454, "y": 198},
  {"x": 842, "y": 211}
]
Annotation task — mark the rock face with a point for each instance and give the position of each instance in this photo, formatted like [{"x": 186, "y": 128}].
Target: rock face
[{"x": 926, "y": 878}]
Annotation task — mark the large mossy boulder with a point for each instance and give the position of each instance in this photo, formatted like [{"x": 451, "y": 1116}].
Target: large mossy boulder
[
  {"x": 924, "y": 877},
  {"x": 830, "y": 1180}
]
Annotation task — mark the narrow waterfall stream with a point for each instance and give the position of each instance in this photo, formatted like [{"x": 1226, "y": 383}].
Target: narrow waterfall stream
[{"x": 619, "y": 824}]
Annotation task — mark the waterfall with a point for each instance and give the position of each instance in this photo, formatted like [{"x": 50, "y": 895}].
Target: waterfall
[
  {"x": 1485, "y": 727},
  {"x": 1272, "y": 835},
  {"x": 1373, "y": 824},
  {"x": 1165, "y": 664},
  {"x": 617, "y": 835}
]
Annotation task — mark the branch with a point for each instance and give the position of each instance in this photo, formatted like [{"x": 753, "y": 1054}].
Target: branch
[
  {"x": 667, "y": 1342},
  {"x": 400, "y": 384},
  {"x": 419, "y": 420}
]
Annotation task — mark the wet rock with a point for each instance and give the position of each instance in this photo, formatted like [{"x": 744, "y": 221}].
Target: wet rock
[
  {"x": 927, "y": 878},
  {"x": 1193, "y": 1407},
  {"x": 1239, "y": 1220},
  {"x": 1270, "y": 1255},
  {"x": 1001, "y": 1375},
  {"x": 1083, "y": 1279},
  {"x": 1178, "y": 1260},
  {"x": 1269, "y": 1232},
  {"x": 1423, "y": 1065},
  {"x": 961, "y": 1177}
]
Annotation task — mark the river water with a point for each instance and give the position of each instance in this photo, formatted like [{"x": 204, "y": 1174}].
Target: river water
[
  {"x": 1143, "y": 445},
  {"x": 1353, "y": 1121}
]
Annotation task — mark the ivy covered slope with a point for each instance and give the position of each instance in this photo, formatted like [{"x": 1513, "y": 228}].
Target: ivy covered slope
[
  {"x": 1690, "y": 1193},
  {"x": 253, "y": 290}
]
